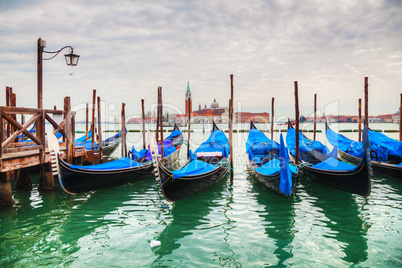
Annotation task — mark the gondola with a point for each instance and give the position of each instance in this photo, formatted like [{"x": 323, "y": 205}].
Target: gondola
[
  {"x": 200, "y": 173},
  {"x": 108, "y": 146},
  {"x": 323, "y": 166},
  {"x": 172, "y": 145},
  {"x": 350, "y": 151},
  {"x": 269, "y": 162},
  {"x": 78, "y": 179}
]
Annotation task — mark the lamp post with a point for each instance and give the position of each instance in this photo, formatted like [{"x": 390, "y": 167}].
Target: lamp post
[{"x": 71, "y": 60}]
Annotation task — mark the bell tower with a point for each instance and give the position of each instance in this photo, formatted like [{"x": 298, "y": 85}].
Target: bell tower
[{"x": 188, "y": 99}]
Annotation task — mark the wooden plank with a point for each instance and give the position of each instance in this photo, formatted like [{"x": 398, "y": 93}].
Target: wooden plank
[
  {"x": 13, "y": 161},
  {"x": 15, "y": 123},
  {"x": 22, "y": 110},
  {"x": 58, "y": 128}
]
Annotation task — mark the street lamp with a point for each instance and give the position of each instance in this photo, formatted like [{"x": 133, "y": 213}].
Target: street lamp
[{"x": 71, "y": 60}]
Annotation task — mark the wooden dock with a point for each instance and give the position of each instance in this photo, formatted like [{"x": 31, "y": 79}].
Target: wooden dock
[{"x": 21, "y": 148}]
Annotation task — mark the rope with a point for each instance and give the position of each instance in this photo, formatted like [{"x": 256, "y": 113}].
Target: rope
[
  {"x": 171, "y": 176},
  {"x": 304, "y": 164},
  {"x": 225, "y": 164}
]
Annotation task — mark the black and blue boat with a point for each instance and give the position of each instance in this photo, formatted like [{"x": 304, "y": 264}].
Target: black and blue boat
[
  {"x": 386, "y": 153},
  {"x": 78, "y": 179},
  {"x": 171, "y": 149},
  {"x": 269, "y": 162},
  {"x": 206, "y": 168},
  {"x": 108, "y": 146},
  {"x": 324, "y": 167}
]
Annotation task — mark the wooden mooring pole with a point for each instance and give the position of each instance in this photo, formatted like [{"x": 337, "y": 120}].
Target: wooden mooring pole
[
  {"x": 360, "y": 120},
  {"x": 93, "y": 120},
  {"x": 100, "y": 131},
  {"x": 297, "y": 122},
  {"x": 123, "y": 131},
  {"x": 272, "y": 118},
  {"x": 160, "y": 104},
  {"x": 366, "y": 114},
  {"x": 86, "y": 121},
  {"x": 400, "y": 120},
  {"x": 315, "y": 116},
  {"x": 231, "y": 127},
  {"x": 143, "y": 124}
]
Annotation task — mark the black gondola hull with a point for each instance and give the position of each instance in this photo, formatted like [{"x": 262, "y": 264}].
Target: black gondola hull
[
  {"x": 272, "y": 181},
  {"x": 378, "y": 167},
  {"x": 355, "y": 182},
  {"x": 78, "y": 181},
  {"x": 180, "y": 188}
]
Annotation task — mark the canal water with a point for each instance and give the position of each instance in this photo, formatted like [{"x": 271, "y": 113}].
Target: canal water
[{"x": 239, "y": 224}]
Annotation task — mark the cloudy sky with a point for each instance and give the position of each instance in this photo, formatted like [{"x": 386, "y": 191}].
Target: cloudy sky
[{"x": 129, "y": 48}]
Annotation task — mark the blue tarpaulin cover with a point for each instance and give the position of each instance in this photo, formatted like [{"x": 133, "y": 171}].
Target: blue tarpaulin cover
[
  {"x": 258, "y": 145},
  {"x": 334, "y": 164},
  {"x": 121, "y": 163},
  {"x": 305, "y": 145},
  {"x": 82, "y": 139},
  {"x": 384, "y": 145},
  {"x": 344, "y": 144},
  {"x": 168, "y": 148},
  {"x": 175, "y": 133},
  {"x": 115, "y": 137},
  {"x": 217, "y": 141},
  {"x": 195, "y": 167},
  {"x": 285, "y": 184},
  {"x": 273, "y": 166},
  {"x": 138, "y": 154}
]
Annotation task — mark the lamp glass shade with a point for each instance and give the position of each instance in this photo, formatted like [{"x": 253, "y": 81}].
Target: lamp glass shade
[{"x": 72, "y": 59}]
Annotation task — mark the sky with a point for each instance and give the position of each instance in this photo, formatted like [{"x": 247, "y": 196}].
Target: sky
[{"x": 129, "y": 48}]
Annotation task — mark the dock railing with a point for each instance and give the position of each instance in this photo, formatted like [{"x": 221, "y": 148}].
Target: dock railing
[{"x": 11, "y": 129}]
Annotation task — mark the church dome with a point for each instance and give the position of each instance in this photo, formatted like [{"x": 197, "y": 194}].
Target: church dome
[{"x": 214, "y": 104}]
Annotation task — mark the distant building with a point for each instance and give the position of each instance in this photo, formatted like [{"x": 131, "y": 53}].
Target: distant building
[
  {"x": 188, "y": 99},
  {"x": 217, "y": 114}
]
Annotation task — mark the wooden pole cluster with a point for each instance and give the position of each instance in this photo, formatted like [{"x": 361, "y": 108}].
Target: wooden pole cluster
[
  {"x": 123, "y": 131},
  {"x": 315, "y": 116},
  {"x": 143, "y": 124},
  {"x": 231, "y": 127},
  {"x": 297, "y": 122},
  {"x": 360, "y": 120},
  {"x": 272, "y": 118},
  {"x": 366, "y": 116}
]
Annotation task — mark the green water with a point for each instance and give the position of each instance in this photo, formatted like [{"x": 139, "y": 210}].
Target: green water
[{"x": 239, "y": 224}]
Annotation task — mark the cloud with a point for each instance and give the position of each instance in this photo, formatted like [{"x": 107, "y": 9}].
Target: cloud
[{"x": 129, "y": 48}]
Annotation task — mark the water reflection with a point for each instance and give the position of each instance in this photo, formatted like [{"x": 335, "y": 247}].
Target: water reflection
[
  {"x": 278, "y": 219},
  {"x": 46, "y": 226},
  {"x": 188, "y": 215},
  {"x": 343, "y": 217}
]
